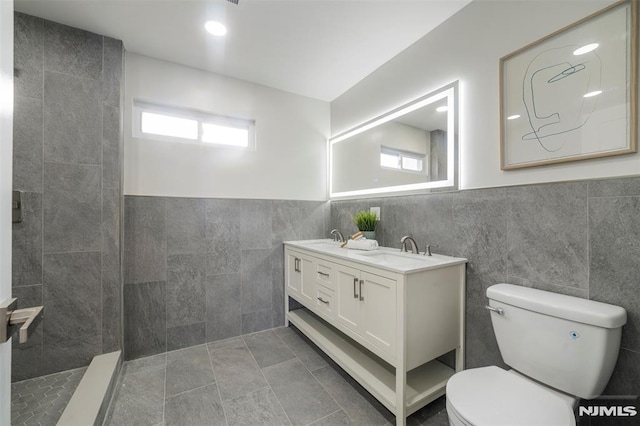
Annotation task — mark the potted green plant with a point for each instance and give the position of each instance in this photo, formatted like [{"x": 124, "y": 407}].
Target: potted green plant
[{"x": 366, "y": 222}]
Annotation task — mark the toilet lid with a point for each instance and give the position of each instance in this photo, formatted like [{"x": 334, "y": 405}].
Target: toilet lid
[{"x": 493, "y": 396}]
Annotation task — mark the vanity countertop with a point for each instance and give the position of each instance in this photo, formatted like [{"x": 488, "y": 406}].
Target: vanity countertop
[{"x": 390, "y": 259}]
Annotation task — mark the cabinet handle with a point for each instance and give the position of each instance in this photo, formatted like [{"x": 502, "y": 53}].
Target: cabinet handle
[
  {"x": 326, "y": 302},
  {"x": 323, "y": 274},
  {"x": 361, "y": 296},
  {"x": 296, "y": 265},
  {"x": 355, "y": 291}
]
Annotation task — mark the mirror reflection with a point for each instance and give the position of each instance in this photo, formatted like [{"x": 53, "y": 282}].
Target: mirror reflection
[{"x": 408, "y": 149}]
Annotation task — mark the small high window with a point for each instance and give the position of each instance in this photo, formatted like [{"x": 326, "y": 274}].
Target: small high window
[
  {"x": 184, "y": 125},
  {"x": 392, "y": 158},
  {"x": 166, "y": 125},
  {"x": 225, "y": 134}
]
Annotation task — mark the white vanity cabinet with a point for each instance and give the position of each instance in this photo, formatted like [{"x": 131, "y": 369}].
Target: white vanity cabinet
[{"x": 384, "y": 317}]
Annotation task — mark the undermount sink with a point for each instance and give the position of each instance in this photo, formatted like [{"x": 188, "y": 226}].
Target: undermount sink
[
  {"x": 394, "y": 258},
  {"x": 324, "y": 243}
]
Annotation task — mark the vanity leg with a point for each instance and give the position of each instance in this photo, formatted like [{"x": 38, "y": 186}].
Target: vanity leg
[
  {"x": 459, "y": 359},
  {"x": 461, "y": 346},
  {"x": 286, "y": 308},
  {"x": 401, "y": 354},
  {"x": 401, "y": 406}
]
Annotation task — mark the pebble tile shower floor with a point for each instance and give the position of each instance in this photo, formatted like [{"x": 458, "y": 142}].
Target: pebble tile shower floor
[
  {"x": 41, "y": 400},
  {"x": 274, "y": 377}
]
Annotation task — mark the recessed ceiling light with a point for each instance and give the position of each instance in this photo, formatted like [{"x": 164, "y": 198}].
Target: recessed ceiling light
[
  {"x": 513, "y": 117},
  {"x": 594, "y": 93},
  {"x": 215, "y": 28},
  {"x": 585, "y": 49},
  {"x": 442, "y": 108}
]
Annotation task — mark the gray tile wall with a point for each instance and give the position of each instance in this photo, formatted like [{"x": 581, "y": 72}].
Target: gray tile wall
[
  {"x": 67, "y": 160},
  {"x": 581, "y": 239},
  {"x": 200, "y": 270}
]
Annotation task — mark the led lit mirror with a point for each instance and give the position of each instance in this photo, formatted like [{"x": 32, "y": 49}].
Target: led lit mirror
[{"x": 412, "y": 148}]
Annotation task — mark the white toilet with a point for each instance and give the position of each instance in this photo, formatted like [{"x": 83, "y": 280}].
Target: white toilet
[{"x": 561, "y": 348}]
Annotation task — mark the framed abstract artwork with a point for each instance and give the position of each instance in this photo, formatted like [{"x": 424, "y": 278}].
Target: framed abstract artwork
[{"x": 573, "y": 94}]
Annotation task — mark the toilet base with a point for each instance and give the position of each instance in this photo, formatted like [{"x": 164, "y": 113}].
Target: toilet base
[{"x": 454, "y": 417}]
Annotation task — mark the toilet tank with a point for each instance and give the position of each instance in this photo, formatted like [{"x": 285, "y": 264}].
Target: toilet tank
[{"x": 568, "y": 343}]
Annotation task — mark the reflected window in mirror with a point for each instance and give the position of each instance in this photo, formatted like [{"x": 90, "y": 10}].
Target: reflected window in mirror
[
  {"x": 404, "y": 161},
  {"x": 411, "y": 149}
]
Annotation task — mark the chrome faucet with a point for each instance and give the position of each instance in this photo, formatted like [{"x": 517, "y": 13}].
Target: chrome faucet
[
  {"x": 414, "y": 246},
  {"x": 337, "y": 235}
]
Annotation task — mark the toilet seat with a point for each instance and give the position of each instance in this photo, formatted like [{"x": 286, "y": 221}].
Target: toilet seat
[{"x": 492, "y": 396}]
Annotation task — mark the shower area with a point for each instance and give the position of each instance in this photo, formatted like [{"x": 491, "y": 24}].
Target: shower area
[
  {"x": 67, "y": 164},
  {"x": 121, "y": 277}
]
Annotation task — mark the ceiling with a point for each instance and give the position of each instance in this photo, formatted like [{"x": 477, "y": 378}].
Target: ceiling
[
  {"x": 314, "y": 48},
  {"x": 426, "y": 118}
]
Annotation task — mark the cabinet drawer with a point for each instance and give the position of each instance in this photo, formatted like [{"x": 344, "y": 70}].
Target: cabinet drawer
[
  {"x": 324, "y": 301},
  {"x": 324, "y": 274}
]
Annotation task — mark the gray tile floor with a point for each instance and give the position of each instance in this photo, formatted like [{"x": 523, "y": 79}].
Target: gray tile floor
[
  {"x": 275, "y": 377},
  {"x": 41, "y": 400}
]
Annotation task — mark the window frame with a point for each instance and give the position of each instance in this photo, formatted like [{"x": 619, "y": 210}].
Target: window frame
[
  {"x": 201, "y": 117},
  {"x": 401, "y": 154}
]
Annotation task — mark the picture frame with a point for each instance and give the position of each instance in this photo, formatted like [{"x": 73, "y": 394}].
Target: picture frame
[{"x": 572, "y": 95}]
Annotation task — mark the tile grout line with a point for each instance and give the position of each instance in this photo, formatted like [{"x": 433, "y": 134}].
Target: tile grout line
[
  {"x": 190, "y": 390},
  {"x": 205, "y": 204},
  {"x": 588, "y": 240},
  {"x": 327, "y": 416},
  {"x": 69, "y": 252},
  {"x": 329, "y": 393},
  {"x": 102, "y": 236},
  {"x": 249, "y": 393},
  {"x": 42, "y": 252},
  {"x": 630, "y": 350},
  {"x": 323, "y": 387},
  {"x": 165, "y": 208},
  {"x": 164, "y": 392},
  {"x": 215, "y": 378},
  {"x": 316, "y": 379},
  {"x": 265, "y": 377},
  {"x": 506, "y": 239}
]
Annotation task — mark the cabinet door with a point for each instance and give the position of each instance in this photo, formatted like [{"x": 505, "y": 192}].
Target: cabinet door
[
  {"x": 307, "y": 284},
  {"x": 379, "y": 311},
  {"x": 294, "y": 273},
  {"x": 348, "y": 306},
  {"x": 300, "y": 279}
]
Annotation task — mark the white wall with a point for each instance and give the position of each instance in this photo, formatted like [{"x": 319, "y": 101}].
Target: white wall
[
  {"x": 468, "y": 47},
  {"x": 291, "y": 133}
]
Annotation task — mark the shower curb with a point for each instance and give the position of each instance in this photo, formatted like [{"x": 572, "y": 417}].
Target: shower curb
[{"x": 90, "y": 401}]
